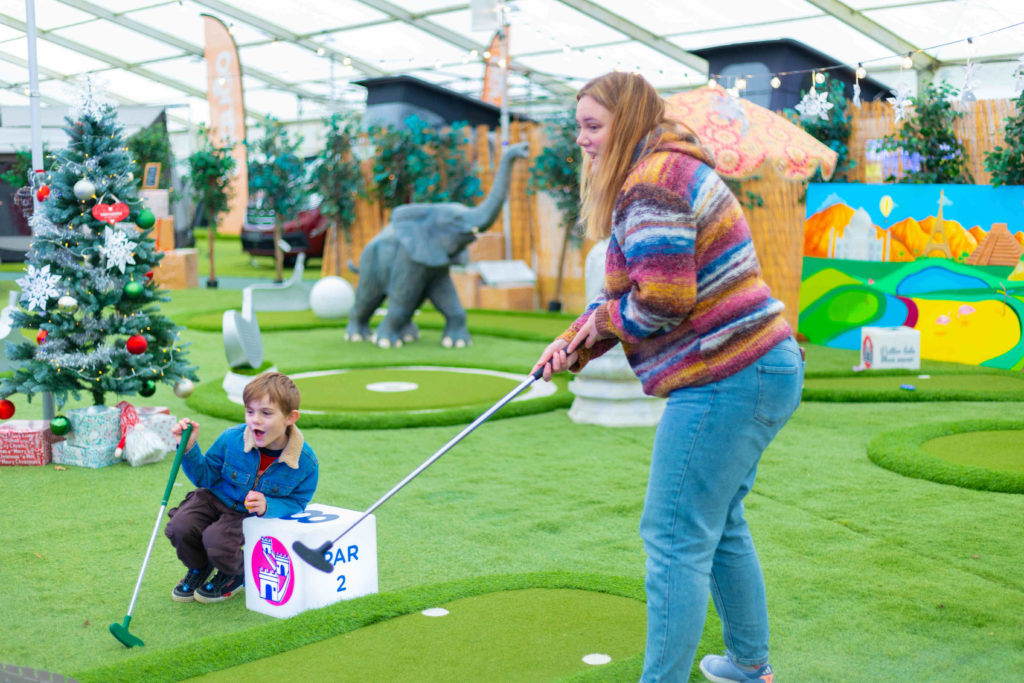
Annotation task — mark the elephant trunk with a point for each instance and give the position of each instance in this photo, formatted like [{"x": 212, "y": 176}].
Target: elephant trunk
[{"x": 484, "y": 214}]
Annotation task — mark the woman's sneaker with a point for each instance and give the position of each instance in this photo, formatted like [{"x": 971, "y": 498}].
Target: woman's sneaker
[
  {"x": 721, "y": 669},
  {"x": 186, "y": 589},
  {"x": 220, "y": 587}
]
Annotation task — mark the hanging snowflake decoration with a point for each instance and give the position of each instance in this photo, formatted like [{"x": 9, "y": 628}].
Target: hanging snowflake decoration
[
  {"x": 117, "y": 249},
  {"x": 901, "y": 102},
  {"x": 729, "y": 107},
  {"x": 1018, "y": 75},
  {"x": 814, "y": 104},
  {"x": 38, "y": 287},
  {"x": 970, "y": 83},
  {"x": 856, "y": 94},
  {"x": 90, "y": 99}
]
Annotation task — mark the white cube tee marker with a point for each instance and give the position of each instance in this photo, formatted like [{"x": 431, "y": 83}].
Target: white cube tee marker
[
  {"x": 890, "y": 347},
  {"x": 279, "y": 583}
]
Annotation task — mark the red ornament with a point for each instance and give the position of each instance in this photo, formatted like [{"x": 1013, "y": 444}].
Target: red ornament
[
  {"x": 6, "y": 409},
  {"x": 41, "y": 337},
  {"x": 43, "y": 192},
  {"x": 110, "y": 213},
  {"x": 136, "y": 344},
  {"x": 149, "y": 275}
]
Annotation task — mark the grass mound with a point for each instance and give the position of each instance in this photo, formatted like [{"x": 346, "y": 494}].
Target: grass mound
[
  {"x": 548, "y": 606},
  {"x": 973, "y": 454},
  {"x": 881, "y": 386},
  {"x": 350, "y": 406}
]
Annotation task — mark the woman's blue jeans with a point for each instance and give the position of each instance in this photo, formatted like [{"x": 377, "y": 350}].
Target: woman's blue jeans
[{"x": 706, "y": 451}]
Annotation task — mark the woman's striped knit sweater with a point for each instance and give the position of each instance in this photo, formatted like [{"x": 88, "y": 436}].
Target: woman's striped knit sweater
[{"x": 683, "y": 289}]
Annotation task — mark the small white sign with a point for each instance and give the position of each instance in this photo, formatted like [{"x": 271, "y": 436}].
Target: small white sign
[{"x": 890, "y": 347}]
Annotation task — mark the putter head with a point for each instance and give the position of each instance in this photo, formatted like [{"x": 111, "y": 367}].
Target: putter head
[
  {"x": 121, "y": 632},
  {"x": 314, "y": 556}
]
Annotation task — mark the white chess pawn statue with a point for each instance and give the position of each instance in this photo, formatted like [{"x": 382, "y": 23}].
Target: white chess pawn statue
[{"x": 607, "y": 391}]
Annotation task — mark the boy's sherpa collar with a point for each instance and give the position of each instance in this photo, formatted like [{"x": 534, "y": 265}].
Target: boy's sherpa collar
[{"x": 292, "y": 450}]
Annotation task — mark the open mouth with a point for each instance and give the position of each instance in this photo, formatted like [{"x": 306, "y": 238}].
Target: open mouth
[{"x": 258, "y": 434}]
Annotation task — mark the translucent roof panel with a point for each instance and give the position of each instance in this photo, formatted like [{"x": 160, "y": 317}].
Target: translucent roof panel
[{"x": 150, "y": 50}]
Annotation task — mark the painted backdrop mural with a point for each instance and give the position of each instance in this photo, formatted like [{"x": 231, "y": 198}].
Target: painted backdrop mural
[{"x": 943, "y": 259}]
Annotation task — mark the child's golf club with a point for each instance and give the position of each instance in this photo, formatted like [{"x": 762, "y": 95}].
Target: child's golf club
[
  {"x": 120, "y": 631},
  {"x": 317, "y": 556}
]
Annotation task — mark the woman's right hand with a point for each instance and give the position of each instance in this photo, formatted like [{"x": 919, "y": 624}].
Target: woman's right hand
[
  {"x": 555, "y": 359},
  {"x": 179, "y": 428}
]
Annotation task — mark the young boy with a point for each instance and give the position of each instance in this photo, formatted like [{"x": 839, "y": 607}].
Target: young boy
[{"x": 263, "y": 467}]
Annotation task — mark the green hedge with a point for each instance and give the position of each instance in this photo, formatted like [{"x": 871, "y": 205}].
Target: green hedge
[
  {"x": 209, "y": 399},
  {"x": 216, "y": 653},
  {"x": 901, "y": 452}
]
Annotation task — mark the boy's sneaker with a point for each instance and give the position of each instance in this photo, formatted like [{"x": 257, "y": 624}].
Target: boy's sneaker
[
  {"x": 186, "y": 588},
  {"x": 221, "y": 587},
  {"x": 721, "y": 669}
]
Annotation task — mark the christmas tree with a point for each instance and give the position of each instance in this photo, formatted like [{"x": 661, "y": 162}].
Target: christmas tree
[{"x": 89, "y": 286}]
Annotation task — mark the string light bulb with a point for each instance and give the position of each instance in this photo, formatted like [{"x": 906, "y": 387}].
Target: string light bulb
[
  {"x": 819, "y": 77},
  {"x": 712, "y": 82},
  {"x": 776, "y": 82},
  {"x": 861, "y": 71},
  {"x": 908, "y": 61},
  {"x": 741, "y": 84}
]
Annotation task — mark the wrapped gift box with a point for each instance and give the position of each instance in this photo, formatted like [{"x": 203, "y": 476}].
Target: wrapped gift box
[
  {"x": 179, "y": 269},
  {"x": 161, "y": 425},
  {"x": 92, "y": 441},
  {"x": 26, "y": 442}
]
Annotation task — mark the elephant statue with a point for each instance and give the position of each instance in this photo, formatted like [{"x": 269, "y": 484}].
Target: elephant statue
[{"x": 408, "y": 262}]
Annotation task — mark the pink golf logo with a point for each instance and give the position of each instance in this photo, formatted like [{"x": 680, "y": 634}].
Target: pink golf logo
[{"x": 272, "y": 570}]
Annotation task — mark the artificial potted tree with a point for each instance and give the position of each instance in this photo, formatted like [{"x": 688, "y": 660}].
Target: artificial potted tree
[
  {"x": 339, "y": 181},
  {"x": 276, "y": 179},
  {"x": 209, "y": 178}
]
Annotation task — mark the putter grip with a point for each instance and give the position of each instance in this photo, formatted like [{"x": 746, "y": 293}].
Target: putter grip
[{"x": 185, "y": 434}]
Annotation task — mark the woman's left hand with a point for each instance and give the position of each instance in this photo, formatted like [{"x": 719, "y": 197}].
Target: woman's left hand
[{"x": 587, "y": 336}]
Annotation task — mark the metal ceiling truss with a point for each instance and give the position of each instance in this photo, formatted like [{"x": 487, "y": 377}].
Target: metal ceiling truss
[{"x": 833, "y": 8}]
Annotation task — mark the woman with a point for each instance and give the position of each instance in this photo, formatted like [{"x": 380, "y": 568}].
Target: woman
[{"x": 684, "y": 295}]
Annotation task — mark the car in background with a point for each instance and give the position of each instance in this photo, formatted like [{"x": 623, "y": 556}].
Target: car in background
[{"x": 305, "y": 233}]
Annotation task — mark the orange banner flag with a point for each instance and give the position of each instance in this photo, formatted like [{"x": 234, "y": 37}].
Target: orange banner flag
[
  {"x": 227, "y": 114},
  {"x": 493, "y": 70}
]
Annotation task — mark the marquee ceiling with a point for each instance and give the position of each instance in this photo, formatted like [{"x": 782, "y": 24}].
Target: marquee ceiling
[{"x": 301, "y": 57}]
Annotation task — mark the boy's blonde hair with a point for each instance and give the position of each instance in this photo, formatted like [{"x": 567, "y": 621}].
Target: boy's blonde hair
[{"x": 276, "y": 386}]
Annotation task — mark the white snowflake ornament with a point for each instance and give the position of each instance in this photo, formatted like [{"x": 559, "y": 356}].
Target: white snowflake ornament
[
  {"x": 728, "y": 106},
  {"x": 814, "y": 104},
  {"x": 900, "y": 102},
  {"x": 38, "y": 287},
  {"x": 117, "y": 249},
  {"x": 970, "y": 83},
  {"x": 90, "y": 98}
]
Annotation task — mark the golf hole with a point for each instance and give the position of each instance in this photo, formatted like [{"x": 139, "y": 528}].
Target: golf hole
[
  {"x": 596, "y": 659},
  {"x": 392, "y": 387},
  {"x": 435, "y": 612}
]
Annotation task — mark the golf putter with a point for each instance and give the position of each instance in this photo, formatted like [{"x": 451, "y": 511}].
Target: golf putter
[
  {"x": 120, "y": 631},
  {"x": 316, "y": 556}
]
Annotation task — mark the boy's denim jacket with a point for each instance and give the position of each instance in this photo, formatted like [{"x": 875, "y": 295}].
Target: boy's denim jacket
[{"x": 230, "y": 465}]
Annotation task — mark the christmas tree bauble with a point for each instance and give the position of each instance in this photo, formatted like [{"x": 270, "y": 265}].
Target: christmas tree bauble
[
  {"x": 184, "y": 387},
  {"x": 136, "y": 344},
  {"x": 84, "y": 189},
  {"x": 133, "y": 290},
  {"x": 149, "y": 274},
  {"x": 43, "y": 192},
  {"x": 60, "y": 425},
  {"x": 41, "y": 337},
  {"x": 148, "y": 388},
  {"x": 146, "y": 219},
  {"x": 67, "y": 303},
  {"x": 6, "y": 409}
]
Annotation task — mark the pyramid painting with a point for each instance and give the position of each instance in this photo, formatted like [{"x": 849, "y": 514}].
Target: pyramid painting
[{"x": 999, "y": 248}]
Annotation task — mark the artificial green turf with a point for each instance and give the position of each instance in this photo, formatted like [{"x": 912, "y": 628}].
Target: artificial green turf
[
  {"x": 440, "y": 388},
  {"x": 993, "y": 449},
  {"x": 973, "y": 386},
  {"x": 871, "y": 575},
  {"x": 525, "y": 635}
]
